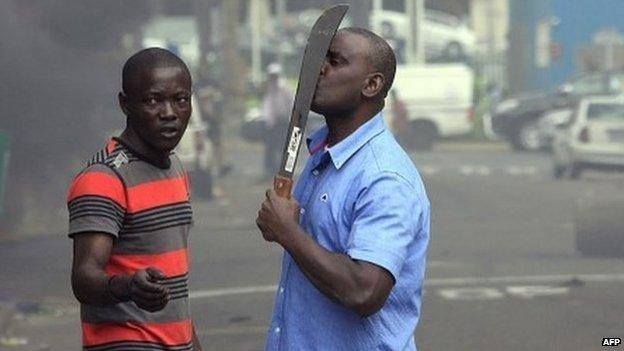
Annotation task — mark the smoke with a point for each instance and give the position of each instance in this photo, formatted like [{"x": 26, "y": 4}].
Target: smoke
[{"x": 60, "y": 65}]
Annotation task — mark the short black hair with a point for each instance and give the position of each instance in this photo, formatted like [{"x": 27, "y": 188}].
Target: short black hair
[
  {"x": 381, "y": 55},
  {"x": 147, "y": 59}
]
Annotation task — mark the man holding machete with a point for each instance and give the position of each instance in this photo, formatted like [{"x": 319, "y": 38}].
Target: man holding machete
[{"x": 357, "y": 230}]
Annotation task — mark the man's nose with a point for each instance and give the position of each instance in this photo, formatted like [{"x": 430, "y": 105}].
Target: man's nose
[{"x": 168, "y": 111}]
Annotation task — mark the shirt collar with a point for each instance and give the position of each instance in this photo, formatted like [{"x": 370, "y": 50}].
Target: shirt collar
[{"x": 342, "y": 151}]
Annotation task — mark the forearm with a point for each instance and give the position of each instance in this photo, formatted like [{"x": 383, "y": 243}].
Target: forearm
[
  {"x": 335, "y": 275},
  {"x": 95, "y": 287}
]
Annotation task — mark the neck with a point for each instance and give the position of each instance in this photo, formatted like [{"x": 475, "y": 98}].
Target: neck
[
  {"x": 134, "y": 142},
  {"x": 343, "y": 125}
]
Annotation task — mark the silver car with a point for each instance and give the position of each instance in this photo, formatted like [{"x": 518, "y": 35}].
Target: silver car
[{"x": 593, "y": 138}]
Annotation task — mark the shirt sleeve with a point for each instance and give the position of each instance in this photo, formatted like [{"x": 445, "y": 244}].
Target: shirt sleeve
[
  {"x": 389, "y": 215},
  {"x": 96, "y": 202}
]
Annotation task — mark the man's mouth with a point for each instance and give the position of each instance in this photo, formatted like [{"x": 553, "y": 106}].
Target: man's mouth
[{"x": 169, "y": 132}]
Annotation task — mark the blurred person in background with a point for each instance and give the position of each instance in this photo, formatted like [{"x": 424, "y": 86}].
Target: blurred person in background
[
  {"x": 130, "y": 216},
  {"x": 211, "y": 103},
  {"x": 354, "y": 262},
  {"x": 277, "y": 103}
]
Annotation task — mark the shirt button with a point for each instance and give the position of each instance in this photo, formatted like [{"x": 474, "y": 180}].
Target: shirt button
[
  {"x": 281, "y": 290},
  {"x": 315, "y": 172},
  {"x": 302, "y": 210},
  {"x": 277, "y": 329}
]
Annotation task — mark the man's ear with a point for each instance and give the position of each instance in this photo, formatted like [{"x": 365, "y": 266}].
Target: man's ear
[
  {"x": 123, "y": 103},
  {"x": 373, "y": 84}
]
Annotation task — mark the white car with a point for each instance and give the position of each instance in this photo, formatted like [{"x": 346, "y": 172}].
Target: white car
[
  {"x": 594, "y": 138},
  {"x": 444, "y": 35}
]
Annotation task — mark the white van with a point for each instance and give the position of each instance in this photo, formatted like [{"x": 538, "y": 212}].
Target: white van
[{"x": 438, "y": 99}]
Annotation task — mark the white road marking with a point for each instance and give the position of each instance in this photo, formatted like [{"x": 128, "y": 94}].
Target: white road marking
[
  {"x": 435, "y": 282},
  {"x": 478, "y": 170},
  {"x": 521, "y": 170},
  {"x": 471, "y": 294},
  {"x": 489, "y": 293},
  {"x": 531, "y": 291}
]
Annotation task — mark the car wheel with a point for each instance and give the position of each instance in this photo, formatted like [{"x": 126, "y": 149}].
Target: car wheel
[
  {"x": 422, "y": 135},
  {"x": 527, "y": 137}
]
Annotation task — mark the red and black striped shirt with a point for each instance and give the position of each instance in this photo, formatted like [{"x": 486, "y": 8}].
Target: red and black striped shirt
[{"x": 146, "y": 208}]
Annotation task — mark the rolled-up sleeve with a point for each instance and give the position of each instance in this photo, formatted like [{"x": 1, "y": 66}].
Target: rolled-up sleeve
[{"x": 387, "y": 217}]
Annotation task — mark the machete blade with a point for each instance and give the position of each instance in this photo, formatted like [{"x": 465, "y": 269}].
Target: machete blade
[{"x": 319, "y": 41}]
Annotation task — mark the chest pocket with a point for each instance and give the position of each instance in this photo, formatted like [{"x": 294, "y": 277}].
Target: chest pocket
[{"x": 328, "y": 219}]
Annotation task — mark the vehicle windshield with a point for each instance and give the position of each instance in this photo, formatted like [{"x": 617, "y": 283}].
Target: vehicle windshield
[{"x": 605, "y": 111}]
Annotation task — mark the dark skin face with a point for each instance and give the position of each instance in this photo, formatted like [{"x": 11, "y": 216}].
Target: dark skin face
[
  {"x": 348, "y": 89},
  {"x": 158, "y": 107}
]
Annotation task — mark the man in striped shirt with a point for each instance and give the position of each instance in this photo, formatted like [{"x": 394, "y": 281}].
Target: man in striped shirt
[{"x": 130, "y": 215}]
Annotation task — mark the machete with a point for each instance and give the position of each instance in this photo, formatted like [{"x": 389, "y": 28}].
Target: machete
[{"x": 319, "y": 40}]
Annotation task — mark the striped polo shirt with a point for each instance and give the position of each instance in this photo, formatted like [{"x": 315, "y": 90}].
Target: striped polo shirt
[{"x": 146, "y": 209}]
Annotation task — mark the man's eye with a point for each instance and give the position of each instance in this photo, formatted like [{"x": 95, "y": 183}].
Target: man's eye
[
  {"x": 151, "y": 101},
  {"x": 183, "y": 99}
]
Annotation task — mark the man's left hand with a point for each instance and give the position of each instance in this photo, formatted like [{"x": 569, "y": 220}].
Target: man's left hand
[{"x": 277, "y": 216}]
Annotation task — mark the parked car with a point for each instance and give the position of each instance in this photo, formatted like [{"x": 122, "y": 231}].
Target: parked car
[
  {"x": 444, "y": 35},
  {"x": 593, "y": 138},
  {"x": 516, "y": 118}
]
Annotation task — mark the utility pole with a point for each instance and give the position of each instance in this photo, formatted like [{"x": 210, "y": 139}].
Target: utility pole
[
  {"x": 280, "y": 14},
  {"x": 256, "y": 48},
  {"x": 415, "y": 44},
  {"x": 203, "y": 18},
  {"x": 234, "y": 71}
]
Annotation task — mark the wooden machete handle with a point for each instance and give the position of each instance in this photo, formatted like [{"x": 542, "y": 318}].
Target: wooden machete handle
[{"x": 282, "y": 186}]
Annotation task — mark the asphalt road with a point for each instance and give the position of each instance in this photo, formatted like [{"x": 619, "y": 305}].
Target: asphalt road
[{"x": 503, "y": 271}]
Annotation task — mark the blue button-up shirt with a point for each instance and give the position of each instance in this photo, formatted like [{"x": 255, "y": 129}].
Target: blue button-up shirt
[{"x": 364, "y": 198}]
